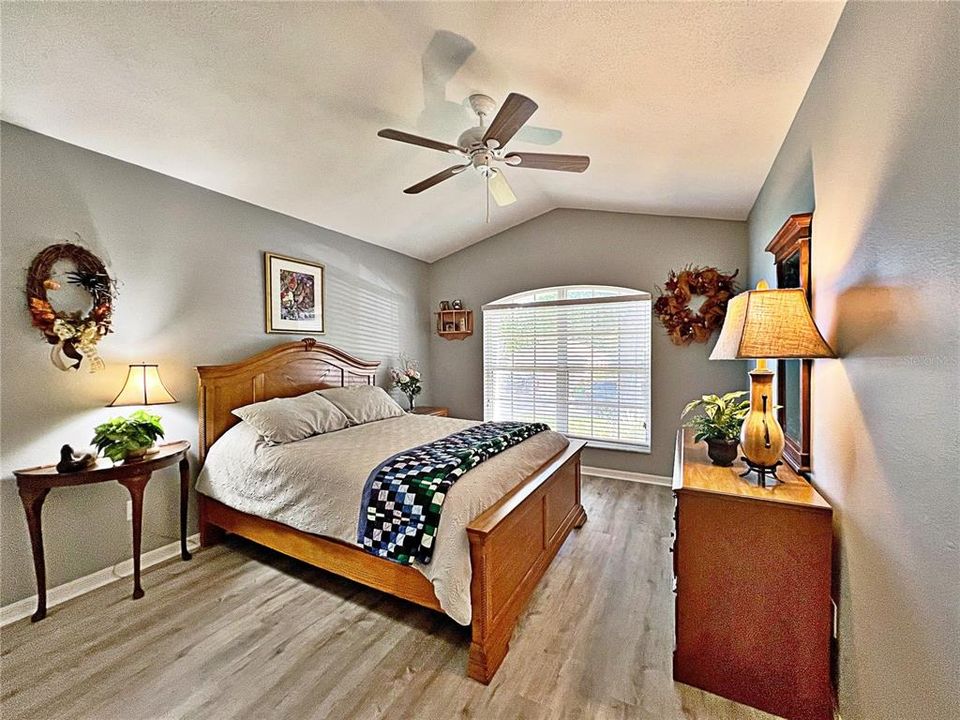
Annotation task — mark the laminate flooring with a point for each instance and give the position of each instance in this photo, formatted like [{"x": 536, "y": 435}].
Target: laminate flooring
[{"x": 243, "y": 632}]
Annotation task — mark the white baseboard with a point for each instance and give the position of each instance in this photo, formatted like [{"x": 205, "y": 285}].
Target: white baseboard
[
  {"x": 628, "y": 476},
  {"x": 80, "y": 586}
]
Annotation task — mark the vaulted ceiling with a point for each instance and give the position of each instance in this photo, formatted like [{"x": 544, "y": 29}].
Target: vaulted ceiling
[{"x": 681, "y": 106}]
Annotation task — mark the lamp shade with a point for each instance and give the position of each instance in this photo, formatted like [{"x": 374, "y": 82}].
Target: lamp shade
[
  {"x": 770, "y": 323},
  {"x": 143, "y": 387}
]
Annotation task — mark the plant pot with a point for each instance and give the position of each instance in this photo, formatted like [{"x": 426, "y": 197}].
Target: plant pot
[
  {"x": 722, "y": 452},
  {"x": 141, "y": 453}
]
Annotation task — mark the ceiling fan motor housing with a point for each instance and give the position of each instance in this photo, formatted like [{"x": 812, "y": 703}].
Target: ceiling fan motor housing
[
  {"x": 482, "y": 161},
  {"x": 471, "y": 138}
]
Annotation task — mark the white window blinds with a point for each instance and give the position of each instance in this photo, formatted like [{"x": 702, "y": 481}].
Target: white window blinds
[{"x": 574, "y": 357}]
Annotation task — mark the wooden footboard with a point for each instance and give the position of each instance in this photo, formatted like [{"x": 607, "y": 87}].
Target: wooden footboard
[{"x": 511, "y": 547}]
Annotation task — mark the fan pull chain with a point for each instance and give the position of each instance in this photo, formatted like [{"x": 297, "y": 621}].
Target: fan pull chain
[{"x": 488, "y": 199}]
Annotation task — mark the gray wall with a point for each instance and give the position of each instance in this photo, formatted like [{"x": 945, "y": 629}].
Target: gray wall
[
  {"x": 190, "y": 265},
  {"x": 566, "y": 247},
  {"x": 874, "y": 150}
]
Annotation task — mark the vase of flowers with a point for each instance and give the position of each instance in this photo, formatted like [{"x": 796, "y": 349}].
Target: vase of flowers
[
  {"x": 719, "y": 424},
  {"x": 406, "y": 379}
]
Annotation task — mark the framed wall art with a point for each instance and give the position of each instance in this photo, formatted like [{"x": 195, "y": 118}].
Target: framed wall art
[{"x": 294, "y": 291}]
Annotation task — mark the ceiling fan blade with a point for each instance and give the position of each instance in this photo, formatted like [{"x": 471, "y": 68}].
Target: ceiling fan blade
[
  {"x": 401, "y": 136},
  {"x": 514, "y": 112},
  {"x": 548, "y": 161},
  {"x": 434, "y": 179},
  {"x": 500, "y": 189}
]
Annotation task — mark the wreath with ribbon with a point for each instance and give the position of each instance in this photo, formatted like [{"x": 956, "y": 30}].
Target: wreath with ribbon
[
  {"x": 672, "y": 307},
  {"x": 73, "y": 334}
]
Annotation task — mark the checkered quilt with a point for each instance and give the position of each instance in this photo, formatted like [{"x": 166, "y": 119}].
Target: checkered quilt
[{"x": 403, "y": 497}]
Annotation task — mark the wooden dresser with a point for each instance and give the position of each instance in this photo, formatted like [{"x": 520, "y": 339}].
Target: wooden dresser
[{"x": 752, "y": 581}]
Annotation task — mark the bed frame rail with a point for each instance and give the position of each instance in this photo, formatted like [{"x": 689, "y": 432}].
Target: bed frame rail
[{"x": 337, "y": 557}]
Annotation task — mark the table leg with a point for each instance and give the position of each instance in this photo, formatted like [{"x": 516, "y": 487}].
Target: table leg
[
  {"x": 184, "y": 497},
  {"x": 32, "y": 500},
  {"x": 136, "y": 486}
]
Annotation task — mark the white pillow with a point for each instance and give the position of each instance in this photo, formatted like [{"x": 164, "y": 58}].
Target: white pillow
[
  {"x": 363, "y": 403},
  {"x": 283, "y": 420}
]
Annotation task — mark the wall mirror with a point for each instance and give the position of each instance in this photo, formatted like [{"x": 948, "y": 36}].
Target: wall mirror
[{"x": 791, "y": 253}]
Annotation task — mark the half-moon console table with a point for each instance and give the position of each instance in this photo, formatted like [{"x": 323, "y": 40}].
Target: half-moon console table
[{"x": 35, "y": 483}]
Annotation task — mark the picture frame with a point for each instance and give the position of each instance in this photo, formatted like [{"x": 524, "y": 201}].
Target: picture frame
[{"x": 294, "y": 294}]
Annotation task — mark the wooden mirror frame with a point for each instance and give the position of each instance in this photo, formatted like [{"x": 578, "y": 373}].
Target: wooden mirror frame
[{"x": 793, "y": 239}]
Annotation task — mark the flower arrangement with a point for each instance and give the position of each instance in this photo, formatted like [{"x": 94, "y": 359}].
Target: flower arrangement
[
  {"x": 406, "y": 379},
  {"x": 121, "y": 438}
]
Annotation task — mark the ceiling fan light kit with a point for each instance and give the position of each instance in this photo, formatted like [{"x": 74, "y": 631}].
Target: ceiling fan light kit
[{"x": 481, "y": 146}]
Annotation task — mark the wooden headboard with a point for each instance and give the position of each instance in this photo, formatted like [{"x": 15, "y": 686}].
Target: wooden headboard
[{"x": 289, "y": 369}]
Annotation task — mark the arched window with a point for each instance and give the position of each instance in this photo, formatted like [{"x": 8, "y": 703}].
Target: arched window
[{"x": 576, "y": 357}]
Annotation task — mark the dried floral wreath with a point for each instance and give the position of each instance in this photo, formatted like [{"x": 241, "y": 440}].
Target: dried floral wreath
[
  {"x": 672, "y": 307},
  {"x": 73, "y": 334}
]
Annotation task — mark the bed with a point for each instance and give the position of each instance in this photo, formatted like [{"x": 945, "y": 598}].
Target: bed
[{"x": 510, "y": 544}]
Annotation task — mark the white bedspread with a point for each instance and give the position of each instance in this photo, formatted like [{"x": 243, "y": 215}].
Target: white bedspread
[{"x": 315, "y": 485}]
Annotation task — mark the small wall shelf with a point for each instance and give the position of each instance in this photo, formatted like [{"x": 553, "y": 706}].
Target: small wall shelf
[{"x": 455, "y": 324}]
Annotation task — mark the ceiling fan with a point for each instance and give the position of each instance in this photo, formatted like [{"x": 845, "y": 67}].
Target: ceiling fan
[{"x": 482, "y": 146}]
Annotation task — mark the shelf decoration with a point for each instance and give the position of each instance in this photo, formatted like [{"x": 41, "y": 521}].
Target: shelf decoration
[
  {"x": 73, "y": 333},
  {"x": 672, "y": 308},
  {"x": 454, "y": 324}
]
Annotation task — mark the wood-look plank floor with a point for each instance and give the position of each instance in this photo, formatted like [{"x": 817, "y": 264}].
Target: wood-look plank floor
[{"x": 241, "y": 632}]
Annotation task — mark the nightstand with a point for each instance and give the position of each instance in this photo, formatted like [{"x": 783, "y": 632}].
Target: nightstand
[
  {"x": 35, "y": 483},
  {"x": 427, "y": 410}
]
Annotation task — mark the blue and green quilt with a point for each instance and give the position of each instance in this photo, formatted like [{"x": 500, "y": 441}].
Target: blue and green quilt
[{"x": 403, "y": 496}]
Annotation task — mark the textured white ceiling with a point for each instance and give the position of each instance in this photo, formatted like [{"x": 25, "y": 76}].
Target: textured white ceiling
[{"x": 681, "y": 106}]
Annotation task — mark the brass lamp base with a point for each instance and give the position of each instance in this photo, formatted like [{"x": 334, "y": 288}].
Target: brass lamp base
[{"x": 761, "y": 470}]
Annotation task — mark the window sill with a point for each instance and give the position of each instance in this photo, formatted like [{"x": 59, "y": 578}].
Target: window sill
[{"x": 613, "y": 445}]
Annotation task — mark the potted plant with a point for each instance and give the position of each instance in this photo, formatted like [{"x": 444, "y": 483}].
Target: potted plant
[
  {"x": 407, "y": 379},
  {"x": 128, "y": 438},
  {"x": 719, "y": 424}
]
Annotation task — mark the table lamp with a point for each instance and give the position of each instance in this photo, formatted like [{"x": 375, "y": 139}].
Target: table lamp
[
  {"x": 143, "y": 387},
  {"x": 760, "y": 324}
]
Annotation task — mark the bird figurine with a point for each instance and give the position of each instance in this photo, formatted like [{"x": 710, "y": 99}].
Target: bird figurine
[{"x": 73, "y": 462}]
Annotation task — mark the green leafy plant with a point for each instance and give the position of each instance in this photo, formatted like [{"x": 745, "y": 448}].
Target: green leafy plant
[
  {"x": 722, "y": 416},
  {"x": 120, "y": 436}
]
